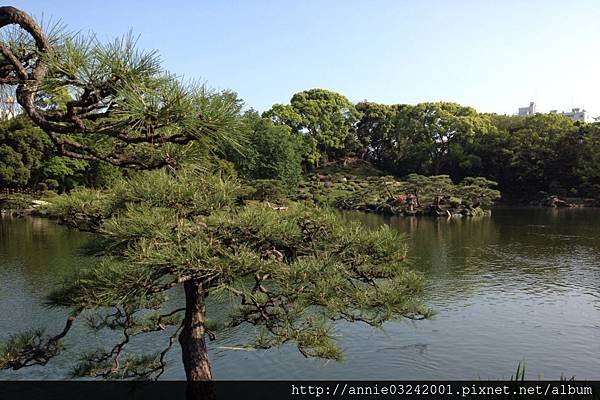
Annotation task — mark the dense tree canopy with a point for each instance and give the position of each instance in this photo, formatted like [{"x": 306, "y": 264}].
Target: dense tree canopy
[
  {"x": 29, "y": 159},
  {"x": 323, "y": 118},
  {"x": 23, "y": 149},
  {"x": 378, "y": 134},
  {"x": 270, "y": 151},
  {"x": 525, "y": 155},
  {"x": 587, "y": 169}
]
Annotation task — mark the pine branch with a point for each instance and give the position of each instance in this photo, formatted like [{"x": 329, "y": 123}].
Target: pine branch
[{"x": 31, "y": 349}]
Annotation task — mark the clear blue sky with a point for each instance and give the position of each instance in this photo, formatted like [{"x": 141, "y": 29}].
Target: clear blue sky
[{"x": 493, "y": 55}]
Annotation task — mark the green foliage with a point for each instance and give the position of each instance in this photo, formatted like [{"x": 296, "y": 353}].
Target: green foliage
[
  {"x": 323, "y": 119},
  {"x": 12, "y": 170},
  {"x": 271, "y": 152},
  {"x": 478, "y": 191},
  {"x": 387, "y": 195},
  {"x": 526, "y": 154},
  {"x": 428, "y": 187},
  {"x": 455, "y": 201},
  {"x": 289, "y": 271},
  {"x": 470, "y": 191},
  {"x": 16, "y": 201},
  {"x": 80, "y": 201},
  {"x": 377, "y": 131},
  {"x": 350, "y": 168},
  {"x": 23, "y": 150},
  {"x": 426, "y": 138},
  {"x": 586, "y": 169},
  {"x": 100, "y": 363},
  {"x": 51, "y": 184},
  {"x": 65, "y": 170},
  {"x": 478, "y": 212},
  {"x": 11, "y": 350},
  {"x": 28, "y": 158},
  {"x": 102, "y": 175},
  {"x": 191, "y": 188},
  {"x": 267, "y": 190}
]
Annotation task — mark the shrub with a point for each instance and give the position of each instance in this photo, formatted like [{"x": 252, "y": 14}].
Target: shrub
[
  {"x": 268, "y": 190},
  {"x": 80, "y": 200},
  {"x": 455, "y": 201},
  {"x": 52, "y": 184},
  {"x": 16, "y": 201}
]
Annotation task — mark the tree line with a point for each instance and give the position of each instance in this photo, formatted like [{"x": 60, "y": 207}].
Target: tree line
[{"x": 526, "y": 155}]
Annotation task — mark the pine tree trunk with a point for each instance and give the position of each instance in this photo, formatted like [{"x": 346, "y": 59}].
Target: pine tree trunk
[{"x": 192, "y": 336}]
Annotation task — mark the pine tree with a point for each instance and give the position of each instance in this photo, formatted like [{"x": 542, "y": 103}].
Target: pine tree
[{"x": 290, "y": 271}]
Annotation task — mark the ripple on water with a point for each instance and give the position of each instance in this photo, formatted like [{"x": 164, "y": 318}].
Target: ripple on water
[{"x": 513, "y": 287}]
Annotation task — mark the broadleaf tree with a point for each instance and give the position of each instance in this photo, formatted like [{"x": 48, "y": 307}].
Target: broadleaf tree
[
  {"x": 322, "y": 117},
  {"x": 270, "y": 151},
  {"x": 434, "y": 128}
]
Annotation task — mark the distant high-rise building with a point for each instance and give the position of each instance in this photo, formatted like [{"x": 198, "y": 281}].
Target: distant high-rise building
[
  {"x": 576, "y": 114},
  {"x": 524, "y": 111}
]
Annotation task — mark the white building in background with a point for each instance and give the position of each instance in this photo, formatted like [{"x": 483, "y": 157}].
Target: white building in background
[
  {"x": 524, "y": 111},
  {"x": 576, "y": 114}
]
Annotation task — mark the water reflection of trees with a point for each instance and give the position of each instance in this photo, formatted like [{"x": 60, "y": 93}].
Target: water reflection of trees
[
  {"x": 516, "y": 250},
  {"x": 530, "y": 250},
  {"x": 41, "y": 249}
]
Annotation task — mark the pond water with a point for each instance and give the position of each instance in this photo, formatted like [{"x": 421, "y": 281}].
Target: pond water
[{"x": 522, "y": 285}]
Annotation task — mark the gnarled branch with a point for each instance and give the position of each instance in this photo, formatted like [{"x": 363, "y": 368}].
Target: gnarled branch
[{"x": 91, "y": 112}]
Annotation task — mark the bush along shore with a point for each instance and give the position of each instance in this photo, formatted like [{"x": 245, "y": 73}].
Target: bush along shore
[
  {"x": 23, "y": 203},
  {"x": 354, "y": 185},
  {"x": 358, "y": 188},
  {"x": 416, "y": 195},
  {"x": 554, "y": 201},
  {"x": 76, "y": 211}
]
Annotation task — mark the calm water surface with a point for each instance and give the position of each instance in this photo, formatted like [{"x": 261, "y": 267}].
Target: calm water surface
[{"x": 521, "y": 285}]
